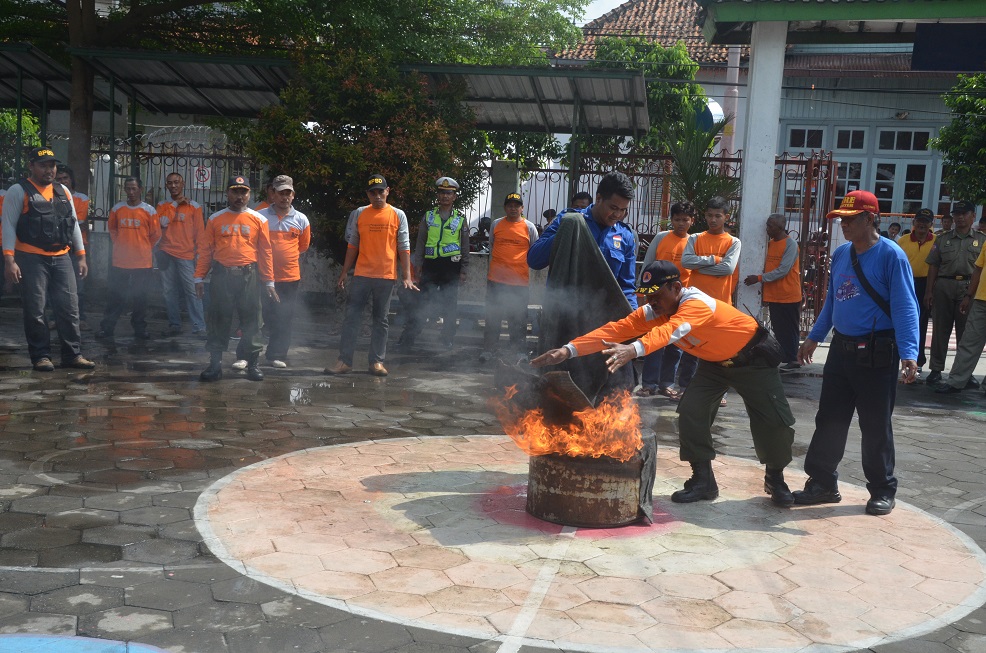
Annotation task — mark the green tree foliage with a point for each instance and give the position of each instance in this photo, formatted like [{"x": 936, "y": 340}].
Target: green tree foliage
[
  {"x": 672, "y": 95},
  {"x": 344, "y": 120},
  {"x": 693, "y": 176},
  {"x": 11, "y": 166},
  {"x": 962, "y": 142}
]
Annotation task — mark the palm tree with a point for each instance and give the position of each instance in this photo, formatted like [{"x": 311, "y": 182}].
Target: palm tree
[{"x": 694, "y": 177}]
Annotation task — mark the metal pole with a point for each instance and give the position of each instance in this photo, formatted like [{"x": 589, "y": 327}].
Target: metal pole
[
  {"x": 44, "y": 116},
  {"x": 573, "y": 174},
  {"x": 112, "y": 175},
  {"x": 134, "y": 163},
  {"x": 20, "y": 122}
]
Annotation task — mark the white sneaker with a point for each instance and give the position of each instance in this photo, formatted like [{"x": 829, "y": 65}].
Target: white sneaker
[
  {"x": 239, "y": 365},
  {"x": 278, "y": 364}
]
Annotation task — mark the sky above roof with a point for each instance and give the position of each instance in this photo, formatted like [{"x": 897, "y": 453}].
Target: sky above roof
[{"x": 597, "y": 8}]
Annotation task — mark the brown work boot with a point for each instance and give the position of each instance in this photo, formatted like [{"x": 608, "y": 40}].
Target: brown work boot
[
  {"x": 80, "y": 362},
  {"x": 44, "y": 364},
  {"x": 339, "y": 368},
  {"x": 377, "y": 369}
]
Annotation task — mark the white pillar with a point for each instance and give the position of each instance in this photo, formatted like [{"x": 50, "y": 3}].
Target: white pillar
[
  {"x": 731, "y": 101},
  {"x": 763, "y": 108}
]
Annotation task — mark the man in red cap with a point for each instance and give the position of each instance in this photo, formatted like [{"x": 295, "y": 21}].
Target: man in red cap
[{"x": 871, "y": 304}]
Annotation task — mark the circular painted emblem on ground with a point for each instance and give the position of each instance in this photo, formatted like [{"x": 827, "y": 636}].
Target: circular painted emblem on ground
[{"x": 432, "y": 532}]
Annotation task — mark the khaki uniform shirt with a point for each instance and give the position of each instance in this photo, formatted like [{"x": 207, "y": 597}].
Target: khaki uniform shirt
[{"x": 955, "y": 254}]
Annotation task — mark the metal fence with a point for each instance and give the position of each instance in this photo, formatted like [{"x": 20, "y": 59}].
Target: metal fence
[{"x": 204, "y": 166}]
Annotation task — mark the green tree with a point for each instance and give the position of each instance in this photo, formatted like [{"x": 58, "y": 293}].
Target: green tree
[
  {"x": 672, "y": 94},
  {"x": 12, "y": 166},
  {"x": 962, "y": 142},
  {"x": 693, "y": 176}
]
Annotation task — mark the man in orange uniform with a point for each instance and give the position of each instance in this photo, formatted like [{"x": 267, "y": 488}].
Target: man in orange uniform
[
  {"x": 658, "y": 375},
  {"x": 712, "y": 256},
  {"x": 378, "y": 243},
  {"x": 66, "y": 177},
  {"x": 134, "y": 231},
  {"x": 40, "y": 229},
  {"x": 506, "y": 282},
  {"x": 181, "y": 224},
  {"x": 290, "y": 237},
  {"x": 734, "y": 352},
  {"x": 235, "y": 246},
  {"x": 917, "y": 245},
  {"x": 781, "y": 281}
]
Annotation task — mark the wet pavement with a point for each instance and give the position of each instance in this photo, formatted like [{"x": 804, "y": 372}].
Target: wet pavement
[{"x": 300, "y": 514}]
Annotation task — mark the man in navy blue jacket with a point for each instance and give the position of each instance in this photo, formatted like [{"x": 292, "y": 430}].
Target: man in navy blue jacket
[
  {"x": 860, "y": 373},
  {"x": 616, "y": 240}
]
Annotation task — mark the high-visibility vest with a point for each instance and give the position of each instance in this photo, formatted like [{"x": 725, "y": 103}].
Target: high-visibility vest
[{"x": 443, "y": 241}]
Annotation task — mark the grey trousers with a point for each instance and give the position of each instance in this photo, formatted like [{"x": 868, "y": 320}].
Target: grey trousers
[
  {"x": 970, "y": 346},
  {"x": 361, "y": 290},
  {"x": 947, "y": 296}
]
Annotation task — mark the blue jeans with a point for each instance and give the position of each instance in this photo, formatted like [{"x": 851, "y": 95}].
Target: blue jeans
[
  {"x": 361, "y": 290},
  {"x": 49, "y": 277},
  {"x": 177, "y": 279},
  {"x": 848, "y": 388}
]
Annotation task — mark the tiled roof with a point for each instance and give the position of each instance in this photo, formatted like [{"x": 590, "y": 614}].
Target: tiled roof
[{"x": 664, "y": 21}]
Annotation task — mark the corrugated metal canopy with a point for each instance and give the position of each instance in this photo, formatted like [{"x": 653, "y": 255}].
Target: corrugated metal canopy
[
  {"x": 203, "y": 84},
  {"x": 40, "y": 75},
  {"x": 550, "y": 100}
]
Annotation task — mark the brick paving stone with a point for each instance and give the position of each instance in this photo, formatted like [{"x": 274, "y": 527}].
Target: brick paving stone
[
  {"x": 219, "y": 615},
  {"x": 41, "y": 505},
  {"x": 264, "y": 638},
  {"x": 245, "y": 590},
  {"x": 186, "y": 640},
  {"x": 297, "y": 611},
  {"x": 37, "y": 539},
  {"x": 11, "y": 604},
  {"x": 78, "y": 600},
  {"x": 81, "y": 518},
  {"x": 160, "y": 551},
  {"x": 124, "y": 623},
  {"x": 361, "y": 636},
  {"x": 118, "y": 535},
  {"x": 78, "y": 555},
  {"x": 168, "y": 595},
  {"x": 46, "y": 624}
]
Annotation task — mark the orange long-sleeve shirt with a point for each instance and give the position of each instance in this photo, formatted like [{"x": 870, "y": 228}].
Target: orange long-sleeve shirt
[
  {"x": 134, "y": 231},
  {"x": 81, "y": 203},
  {"x": 234, "y": 239},
  {"x": 290, "y": 237},
  {"x": 181, "y": 225},
  {"x": 782, "y": 272},
  {"x": 705, "y": 327},
  {"x": 713, "y": 260}
]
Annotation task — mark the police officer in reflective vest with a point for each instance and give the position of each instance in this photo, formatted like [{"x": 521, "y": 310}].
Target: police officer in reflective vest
[{"x": 439, "y": 260}]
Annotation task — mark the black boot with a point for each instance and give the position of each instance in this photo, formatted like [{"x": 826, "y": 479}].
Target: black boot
[
  {"x": 215, "y": 370},
  {"x": 700, "y": 487},
  {"x": 253, "y": 370},
  {"x": 774, "y": 485}
]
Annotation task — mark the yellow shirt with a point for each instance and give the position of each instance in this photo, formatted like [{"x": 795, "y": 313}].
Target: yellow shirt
[
  {"x": 981, "y": 263},
  {"x": 917, "y": 253}
]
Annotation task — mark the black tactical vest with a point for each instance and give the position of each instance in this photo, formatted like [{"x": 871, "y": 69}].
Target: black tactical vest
[{"x": 46, "y": 225}]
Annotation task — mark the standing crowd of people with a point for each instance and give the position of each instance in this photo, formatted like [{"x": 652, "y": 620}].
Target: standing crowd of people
[{"x": 244, "y": 264}]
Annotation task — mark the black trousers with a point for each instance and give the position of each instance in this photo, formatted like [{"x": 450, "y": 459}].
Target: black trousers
[
  {"x": 127, "y": 288},
  {"x": 279, "y": 319},
  {"x": 848, "y": 388},
  {"x": 234, "y": 291},
  {"x": 785, "y": 320},
  {"x": 920, "y": 285}
]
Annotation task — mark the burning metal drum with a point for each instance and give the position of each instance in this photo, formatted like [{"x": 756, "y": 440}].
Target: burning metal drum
[{"x": 589, "y": 492}]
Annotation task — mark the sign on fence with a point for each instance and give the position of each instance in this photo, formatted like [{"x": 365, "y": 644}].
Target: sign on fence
[{"x": 202, "y": 178}]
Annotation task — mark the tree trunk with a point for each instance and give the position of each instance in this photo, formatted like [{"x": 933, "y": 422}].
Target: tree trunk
[{"x": 80, "y": 123}]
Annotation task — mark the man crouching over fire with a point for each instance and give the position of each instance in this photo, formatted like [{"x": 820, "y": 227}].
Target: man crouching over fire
[{"x": 733, "y": 352}]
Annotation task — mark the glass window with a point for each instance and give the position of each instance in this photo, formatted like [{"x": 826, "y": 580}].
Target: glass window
[
  {"x": 850, "y": 139},
  {"x": 801, "y": 139},
  {"x": 904, "y": 140},
  {"x": 887, "y": 140}
]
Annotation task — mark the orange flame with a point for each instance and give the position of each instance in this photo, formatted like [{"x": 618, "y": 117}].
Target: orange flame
[{"x": 610, "y": 429}]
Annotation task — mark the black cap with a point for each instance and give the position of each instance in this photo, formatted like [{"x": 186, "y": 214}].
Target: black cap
[
  {"x": 655, "y": 275},
  {"x": 41, "y": 154},
  {"x": 376, "y": 182},
  {"x": 238, "y": 181},
  {"x": 925, "y": 214},
  {"x": 963, "y": 207},
  {"x": 513, "y": 197}
]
